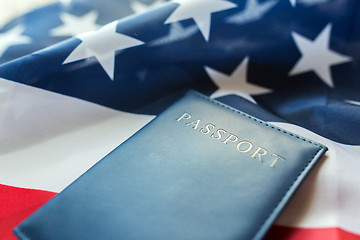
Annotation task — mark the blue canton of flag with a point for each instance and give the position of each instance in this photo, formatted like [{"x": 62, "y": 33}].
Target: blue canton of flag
[{"x": 295, "y": 63}]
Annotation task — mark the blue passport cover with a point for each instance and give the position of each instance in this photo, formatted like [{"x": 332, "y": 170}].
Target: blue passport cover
[{"x": 200, "y": 170}]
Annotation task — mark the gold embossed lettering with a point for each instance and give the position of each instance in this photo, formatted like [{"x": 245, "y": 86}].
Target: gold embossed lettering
[
  {"x": 231, "y": 138},
  {"x": 259, "y": 152},
  {"x": 207, "y": 128},
  {"x": 195, "y": 124},
  {"x": 244, "y": 150},
  {"x": 218, "y": 134},
  {"x": 277, "y": 157},
  {"x": 184, "y": 116}
]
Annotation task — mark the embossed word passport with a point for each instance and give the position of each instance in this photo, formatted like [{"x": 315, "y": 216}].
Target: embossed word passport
[{"x": 199, "y": 171}]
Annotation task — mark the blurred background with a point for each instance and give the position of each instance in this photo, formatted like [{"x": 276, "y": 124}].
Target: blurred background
[{"x": 13, "y": 8}]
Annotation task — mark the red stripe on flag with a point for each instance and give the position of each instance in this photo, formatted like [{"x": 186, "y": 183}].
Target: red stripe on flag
[
  {"x": 292, "y": 233},
  {"x": 16, "y": 204}
]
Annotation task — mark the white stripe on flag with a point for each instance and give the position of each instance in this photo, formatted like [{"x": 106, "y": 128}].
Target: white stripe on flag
[
  {"x": 47, "y": 140},
  {"x": 330, "y": 195}
]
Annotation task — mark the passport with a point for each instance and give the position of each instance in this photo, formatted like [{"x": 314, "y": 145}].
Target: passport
[{"x": 200, "y": 170}]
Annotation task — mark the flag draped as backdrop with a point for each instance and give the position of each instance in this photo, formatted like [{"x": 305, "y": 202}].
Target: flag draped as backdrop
[{"x": 79, "y": 77}]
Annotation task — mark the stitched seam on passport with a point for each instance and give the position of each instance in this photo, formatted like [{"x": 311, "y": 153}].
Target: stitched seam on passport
[
  {"x": 292, "y": 184},
  {"x": 261, "y": 122},
  {"x": 256, "y": 120},
  {"x": 22, "y": 234}
]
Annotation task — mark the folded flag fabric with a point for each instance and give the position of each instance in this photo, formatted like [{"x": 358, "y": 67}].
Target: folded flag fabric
[{"x": 294, "y": 63}]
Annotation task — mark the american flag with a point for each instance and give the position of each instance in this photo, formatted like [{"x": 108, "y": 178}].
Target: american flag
[{"x": 78, "y": 77}]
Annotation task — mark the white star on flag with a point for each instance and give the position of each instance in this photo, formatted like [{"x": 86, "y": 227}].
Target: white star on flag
[
  {"x": 312, "y": 2},
  {"x": 236, "y": 83},
  {"x": 74, "y": 25},
  {"x": 293, "y": 2},
  {"x": 306, "y": 2},
  {"x": 13, "y": 37},
  {"x": 353, "y": 102},
  {"x": 139, "y": 7},
  {"x": 253, "y": 11},
  {"x": 316, "y": 56},
  {"x": 102, "y": 45},
  {"x": 200, "y": 11}
]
